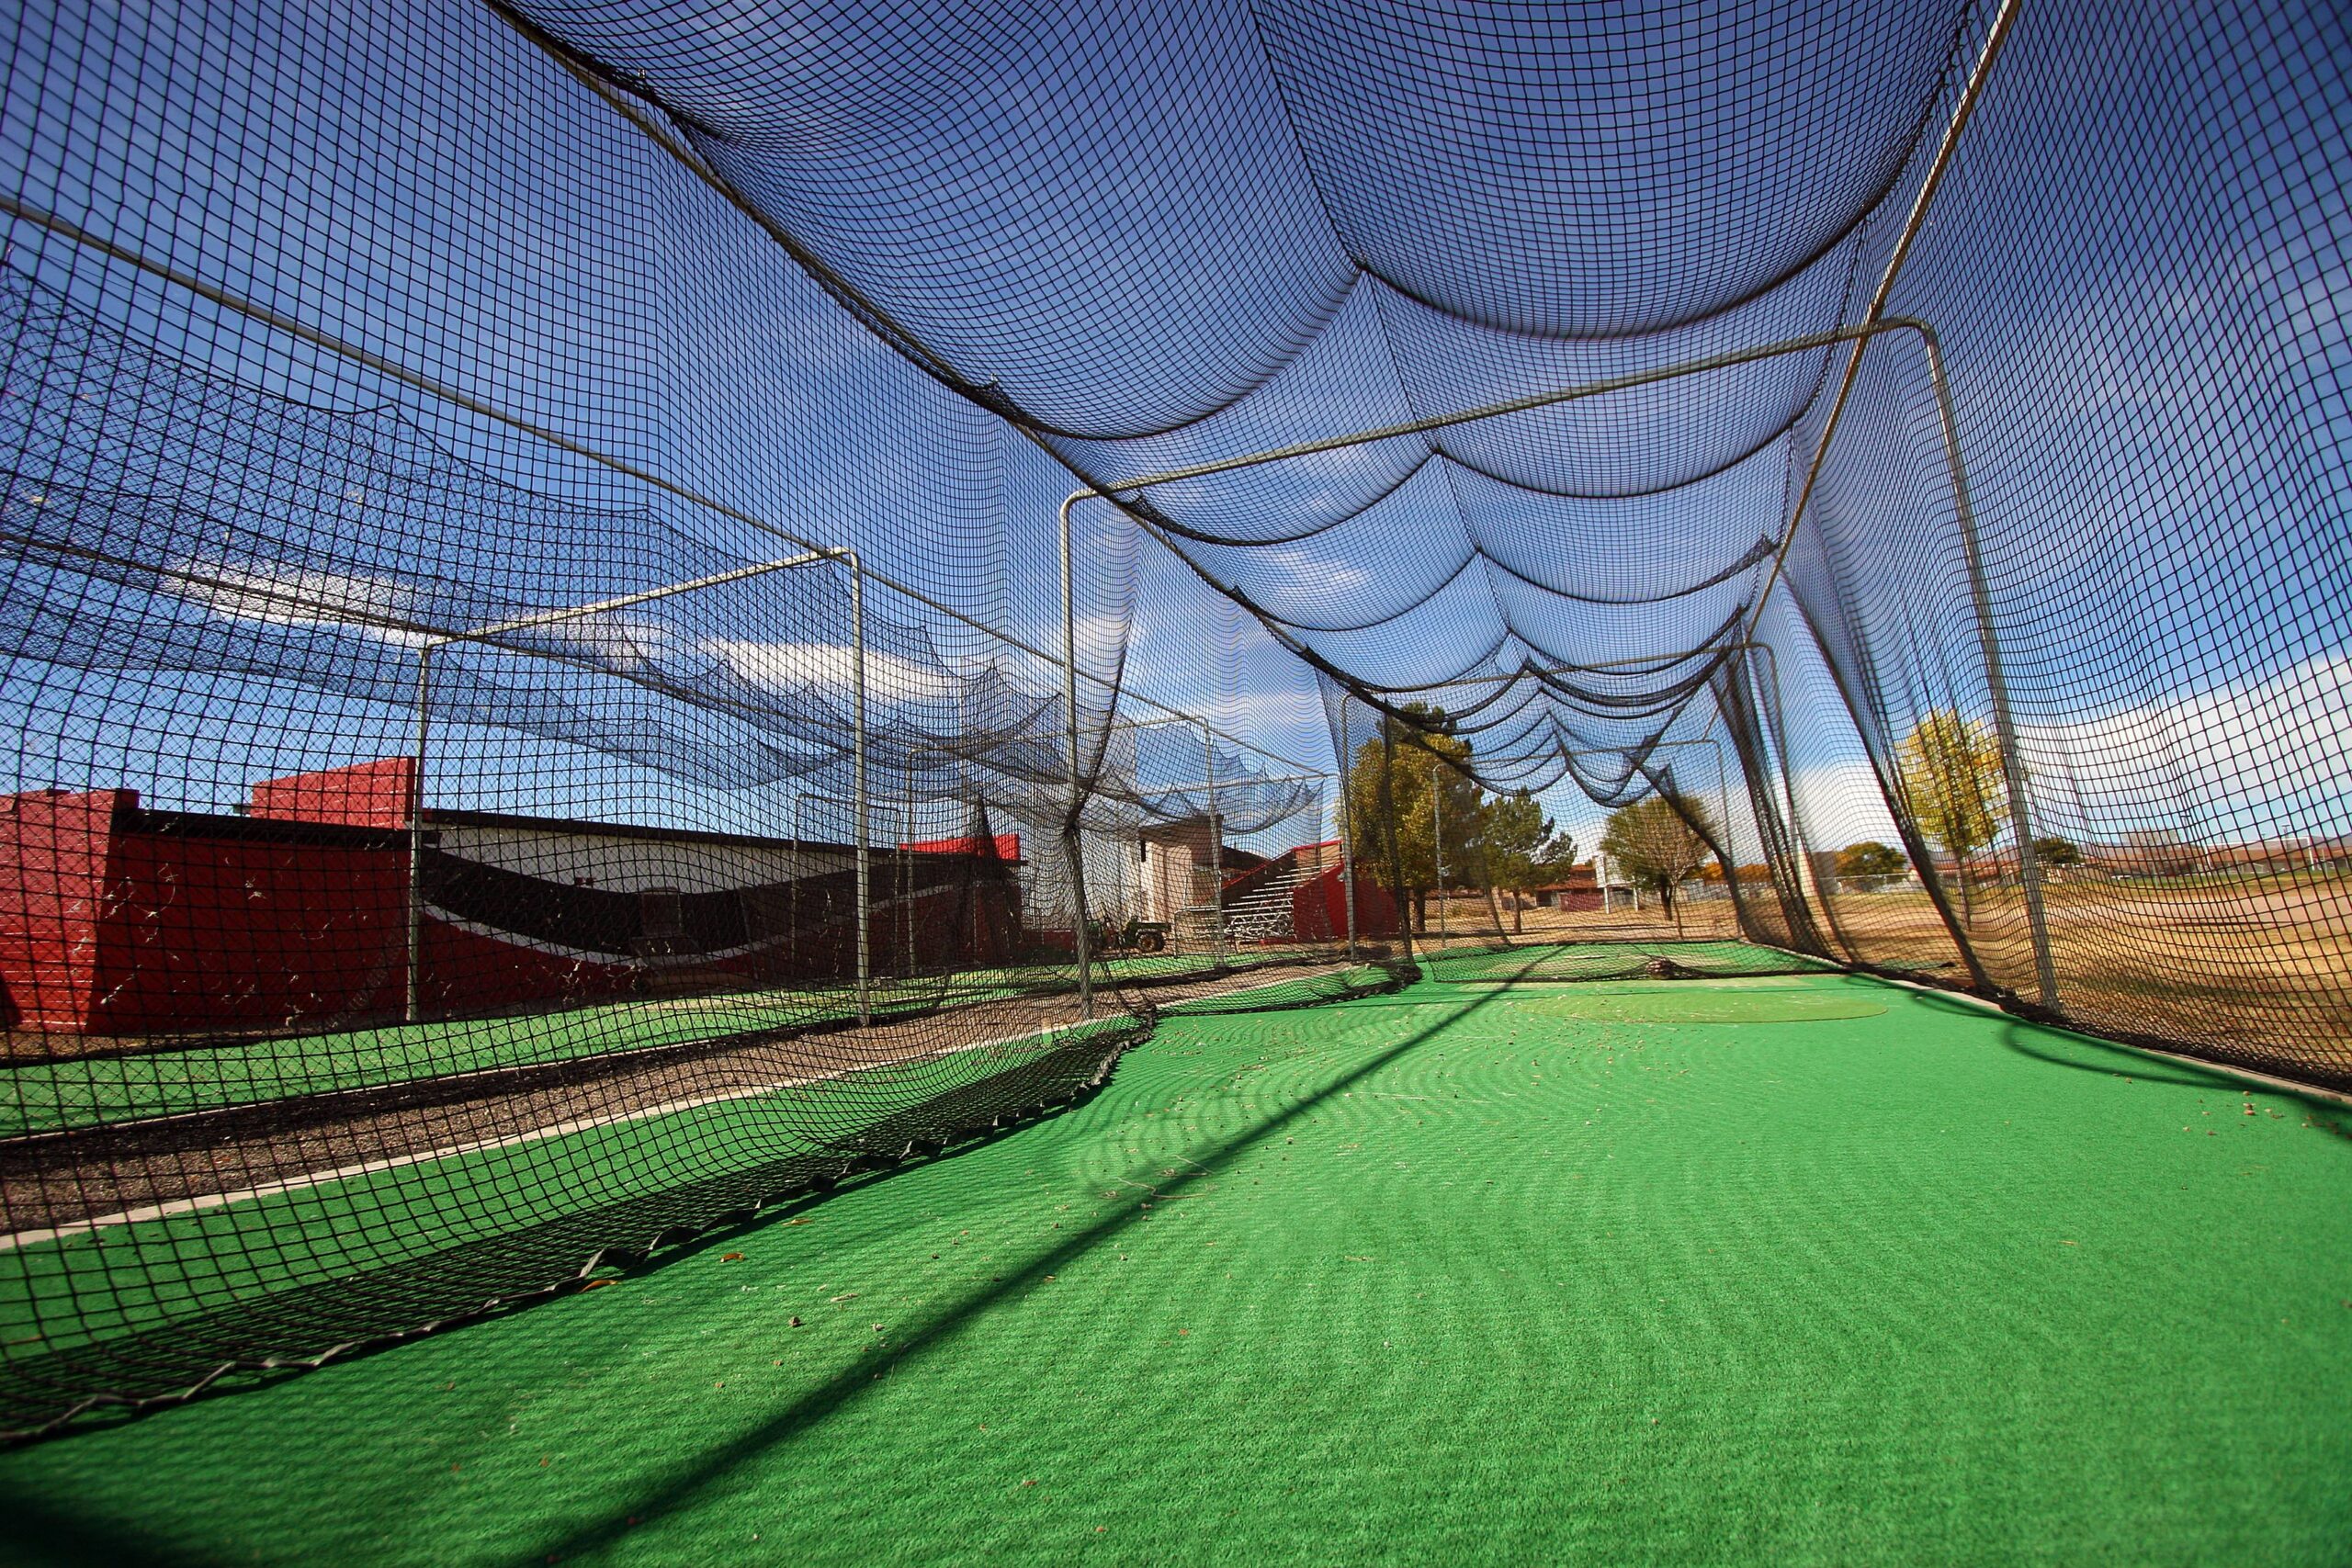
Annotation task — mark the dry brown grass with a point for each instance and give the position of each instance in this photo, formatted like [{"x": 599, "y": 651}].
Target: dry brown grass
[
  {"x": 2258, "y": 970},
  {"x": 1467, "y": 921},
  {"x": 2261, "y": 971}
]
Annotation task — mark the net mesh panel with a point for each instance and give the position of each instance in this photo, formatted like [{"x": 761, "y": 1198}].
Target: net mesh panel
[
  {"x": 2136, "y": 271},
  {"x": 432, "y": 838},
  {"x": 371, "y": 958}
]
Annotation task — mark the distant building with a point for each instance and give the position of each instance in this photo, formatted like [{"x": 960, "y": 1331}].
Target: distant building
[
  {"x": 1175, "y": 874},
  {"x": 117, "y": 918},
  {"x": 1580, "y": 889},
  {"x": 2165, "y": 852}
]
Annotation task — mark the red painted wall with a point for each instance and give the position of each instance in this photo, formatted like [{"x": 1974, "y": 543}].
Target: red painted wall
[
  {"x": 54, "y": 849},
  {"x": 367, "y": 795},
  {"x": 115, "y": 921},
  {"x": 226, "y": 932},
  {"x": 1318, "y": 908},
  {"x": 1008, "y": 847},
  {"x": 464, "y": 972}
]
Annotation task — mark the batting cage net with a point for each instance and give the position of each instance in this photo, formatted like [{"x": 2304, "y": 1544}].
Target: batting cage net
[{"x": 618, "y": 613}]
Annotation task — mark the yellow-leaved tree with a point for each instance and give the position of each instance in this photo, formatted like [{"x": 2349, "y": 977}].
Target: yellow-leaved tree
[{"x": 1949, "y": 770}]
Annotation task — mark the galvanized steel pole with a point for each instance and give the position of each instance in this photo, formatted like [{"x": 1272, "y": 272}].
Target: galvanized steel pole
[
  {"x": 857, "y": 781},
  {"x": 1437, "y": 854},
  {"x": 2045, "y": 970},
  {"x": 1073, "y": 846},
  {"x": 532, "y": 622},
  {"x": 414, "y": 1000},
  {"x": 1347, "y": 831},
  {"x": 1217, "y": 853}
]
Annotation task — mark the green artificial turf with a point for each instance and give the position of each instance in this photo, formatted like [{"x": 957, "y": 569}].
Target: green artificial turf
[
  {"x": 92, "y": 1091},
  {"x": 1453, "y": 1275},
  {"x": 1612, "y": 960}
]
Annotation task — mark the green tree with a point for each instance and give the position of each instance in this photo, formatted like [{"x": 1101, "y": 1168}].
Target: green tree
[
  {"x": 2056, "y": 852},
  {"x": 1656, "y": 847},
  {"x": 1870, "y": 858},
  {"x": 1950, "y": 768},
  {"x": 1524, "y": 849},
  {"x": 1419, "y": 766}
]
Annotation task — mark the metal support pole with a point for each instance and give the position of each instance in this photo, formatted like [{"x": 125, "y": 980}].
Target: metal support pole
[
  {"x": 1347, "y": 832},
  {"x": 907, "y": 872},
  {"x": 1073, "y": 848},
  {"x": 1808, "y": 878},
  {"x": 1385, "y": 808},
  {"x": 1217, "y": 853},
  {"x": 532, "y": 622},
  {"x": 1773, "y": 734},
  {"x": 415, "y": 997},
  {"x": 857, "y": 781},
  {"x": 1728, "y": 859},
  {"x": 1780, "y": 735},
  {"x": 1723, "y": 804},
  {"x": 2045, "y": 971},
  {"x": 1437, "y": 851}
]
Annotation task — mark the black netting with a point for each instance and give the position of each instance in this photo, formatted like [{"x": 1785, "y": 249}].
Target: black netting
[{"x": 563, "y": 689}]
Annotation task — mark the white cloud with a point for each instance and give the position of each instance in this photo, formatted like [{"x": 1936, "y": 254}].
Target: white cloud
[
  {"x": 612, "y": 640},
  {"x": 1328, "y": 575},
  {"x": 787, "y": 666},
  {"x": 383, "y": 608},
  {"x": 2260, "y": 757},
  {"x": 1842, "y": 805},
  {"x": 300, "y": 597},
  {"x": 1103, "y": 634}
]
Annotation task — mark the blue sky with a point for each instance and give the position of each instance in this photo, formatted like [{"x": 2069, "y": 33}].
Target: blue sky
[{"x": 1181, "y": 235}]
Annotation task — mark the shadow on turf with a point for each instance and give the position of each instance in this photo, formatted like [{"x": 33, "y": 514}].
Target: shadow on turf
[
  {"x": 42, "y": 1537},
  {"x": 251, "y": 1344},
  {"x": 846, "y": 1385},
  {"x": 2115, "y": 1059}
]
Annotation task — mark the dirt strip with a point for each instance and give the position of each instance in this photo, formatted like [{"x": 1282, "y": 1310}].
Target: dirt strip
[{"x": 55, "y": 1179}]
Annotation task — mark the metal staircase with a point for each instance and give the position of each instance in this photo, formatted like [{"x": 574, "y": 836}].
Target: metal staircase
[{"x": 1263, "y": 913}]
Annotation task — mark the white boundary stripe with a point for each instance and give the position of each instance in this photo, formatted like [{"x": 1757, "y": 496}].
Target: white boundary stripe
[{"x": 203, "y": 1202}]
